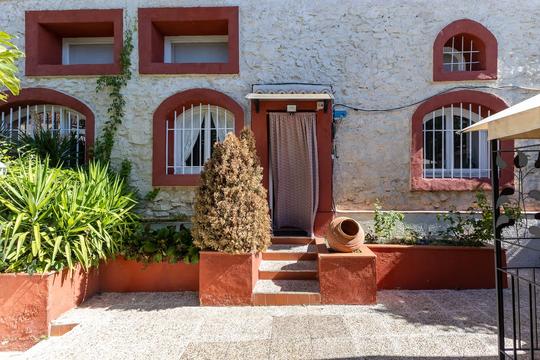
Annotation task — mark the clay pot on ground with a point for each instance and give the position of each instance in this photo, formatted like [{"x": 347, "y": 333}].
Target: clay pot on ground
[{"x": 345, "y": 235}]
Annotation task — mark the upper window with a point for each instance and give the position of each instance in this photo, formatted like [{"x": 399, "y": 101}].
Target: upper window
[
  {"x": 196, "y": 49},
  {"x": 98, "y": 50},
  {"x": 444, "y": 158},
  {"x": 73, "y": 42},
  {"x": 186, "y": 126},
  {"x": 202, "y": 40},
  {"x": 464, "y": 50}
]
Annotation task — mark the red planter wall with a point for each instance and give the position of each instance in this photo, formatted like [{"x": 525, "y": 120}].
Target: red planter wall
[
  {"x": 434, "y": 267},
  {"x": 120, "y": 275},
  {"x": 348, "y": 278},
  {"x": 226, "y": 279},
  {"x": 28, "y": 303}
]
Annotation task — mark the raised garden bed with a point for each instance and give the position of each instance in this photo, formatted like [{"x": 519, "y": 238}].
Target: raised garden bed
[
  {"x": 426, "y": 267},
  {"x": 121, "y": 275},
  {"x": 29, "y": 303}
]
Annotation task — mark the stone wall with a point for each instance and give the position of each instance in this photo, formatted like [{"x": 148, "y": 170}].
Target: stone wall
[{"x": 375, "y": 54}]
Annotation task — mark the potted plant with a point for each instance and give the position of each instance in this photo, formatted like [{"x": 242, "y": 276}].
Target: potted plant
[{"x": 231, "y": 223}]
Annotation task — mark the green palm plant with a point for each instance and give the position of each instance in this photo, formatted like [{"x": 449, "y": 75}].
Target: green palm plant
[{"x": 55, "y": 218}]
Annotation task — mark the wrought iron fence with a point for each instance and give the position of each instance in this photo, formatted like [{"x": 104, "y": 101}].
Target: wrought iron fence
[{"x": 516, "y": 208}]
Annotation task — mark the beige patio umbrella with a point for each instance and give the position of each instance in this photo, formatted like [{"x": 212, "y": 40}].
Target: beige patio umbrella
[{"x": 521, "y": 121}]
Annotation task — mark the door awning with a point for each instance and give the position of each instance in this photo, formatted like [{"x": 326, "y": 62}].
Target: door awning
[
  {"x": 288, "y": 96},
  {"x": 290, "y": 91},
  {"x": 521, "y": 121}
]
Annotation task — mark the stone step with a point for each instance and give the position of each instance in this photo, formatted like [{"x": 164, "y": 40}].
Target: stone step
[
  {"x": 286, "y": 292},
  {"x": 288, "y": 270},
  {"x": 300, "y": 240},
  {"x": 290, "y": 252}
]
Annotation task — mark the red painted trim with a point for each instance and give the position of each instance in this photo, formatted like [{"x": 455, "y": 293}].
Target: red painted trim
[
  {"x": 44, "y": 31},
  {"x": 490, "y": 101},
  {"x": 37, "y": 96},
  {"x": 166, "y": 109},
  {"x": 155, "y": 23},
  {"x": 259, "y": 125},
  {"x": 488, "y": 50}
]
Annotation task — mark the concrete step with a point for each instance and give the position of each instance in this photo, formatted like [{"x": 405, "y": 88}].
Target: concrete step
[
  {"x": 300, "y": 240},
  {"x": 290, "y": 252},
  {"x": 286, "y": 292},
  {"x": 288, "y": 270}
]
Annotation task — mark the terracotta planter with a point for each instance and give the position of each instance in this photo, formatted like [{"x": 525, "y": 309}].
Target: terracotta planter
[
  {"x": 121, "y": 275},
  {"x": 345, "y": 235},
  {"x": 226, "y": 279},
  {"x": 29, "y": 303},
  {"x": 348, "y": 278},
  {"x": 424, "y": 267}
]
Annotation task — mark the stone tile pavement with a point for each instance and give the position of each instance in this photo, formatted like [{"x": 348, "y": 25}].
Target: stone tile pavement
[{"x": 404, "y": 325}]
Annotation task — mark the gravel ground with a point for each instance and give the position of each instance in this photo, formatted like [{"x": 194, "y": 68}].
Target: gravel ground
[{"x": 404, "y": 325}]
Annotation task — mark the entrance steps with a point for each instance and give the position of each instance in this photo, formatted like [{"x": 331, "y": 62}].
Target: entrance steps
[{"x": 288, "y": 273}]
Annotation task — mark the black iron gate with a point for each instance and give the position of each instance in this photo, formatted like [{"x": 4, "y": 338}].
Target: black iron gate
[{"x": 517, "y": 238}]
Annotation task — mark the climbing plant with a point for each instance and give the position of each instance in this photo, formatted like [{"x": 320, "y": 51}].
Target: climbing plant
[{"x": 114, "y": 84}]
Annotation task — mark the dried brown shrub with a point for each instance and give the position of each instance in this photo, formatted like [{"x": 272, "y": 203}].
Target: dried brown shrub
[{"x": 231, "y": 208}]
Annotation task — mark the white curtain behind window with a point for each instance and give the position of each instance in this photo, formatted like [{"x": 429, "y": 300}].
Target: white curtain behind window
[{"x": 194, "y": 122}]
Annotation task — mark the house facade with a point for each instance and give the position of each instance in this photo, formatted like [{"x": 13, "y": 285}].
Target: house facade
[{"x": 416, "y": 72}]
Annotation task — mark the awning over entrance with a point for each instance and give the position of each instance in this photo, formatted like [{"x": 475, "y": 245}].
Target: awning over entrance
[
  {"x": 521, "y": 121},
  {"x": 291, "y": 92}
]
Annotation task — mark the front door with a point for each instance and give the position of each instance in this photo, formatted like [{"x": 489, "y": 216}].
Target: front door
[{"x": 294, "y": 174}]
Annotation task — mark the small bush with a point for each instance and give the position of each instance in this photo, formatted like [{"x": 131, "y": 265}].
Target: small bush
[
  {"x": 166, "y": 244},
  {"x": 231, "y": 209},
  {"x": 53, "y": 218}
]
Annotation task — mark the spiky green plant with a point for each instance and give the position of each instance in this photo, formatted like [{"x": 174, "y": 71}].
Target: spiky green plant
[
  {"x": 9, "y": 54},
  {"x": 60, "y": 149},
  {"x": 54, "y": 218}
]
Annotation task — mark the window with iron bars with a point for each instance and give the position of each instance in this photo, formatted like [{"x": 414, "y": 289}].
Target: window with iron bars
[
  {"x": 193, "y": 133},
  {"x": 462, "y": 53},
  {"x": 19, "y": 122},
  {"x": 449, "y": 153}
]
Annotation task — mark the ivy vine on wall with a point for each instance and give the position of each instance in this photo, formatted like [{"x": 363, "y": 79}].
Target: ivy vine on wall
[{"x": 114, "y": 84}]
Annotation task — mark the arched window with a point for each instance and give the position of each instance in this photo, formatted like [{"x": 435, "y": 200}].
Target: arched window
[
  {"x": 195, "y": 130},
  {"x": 40, "y": 109},
  {"x": 444, "y": 158},
  {"x": 448, "y": 153},
  {"x": 186, "y": 125},
  {"x": 464, "y": 50}
]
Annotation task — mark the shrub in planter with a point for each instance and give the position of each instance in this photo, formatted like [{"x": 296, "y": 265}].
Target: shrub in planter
[
  {"x": 54, "y": 218},
  {"x": 231, "y": 209},
  {"x": 231, "y": 219}
]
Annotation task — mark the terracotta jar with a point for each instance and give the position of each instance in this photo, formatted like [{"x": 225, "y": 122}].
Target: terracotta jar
[{"x": 345, "y": 234}]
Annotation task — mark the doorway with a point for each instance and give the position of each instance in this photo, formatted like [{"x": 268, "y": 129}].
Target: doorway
[{"x": 294, "y": 172}]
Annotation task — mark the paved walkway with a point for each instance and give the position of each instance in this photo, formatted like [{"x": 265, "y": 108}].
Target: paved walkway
[{"x": 404, "y": 325}]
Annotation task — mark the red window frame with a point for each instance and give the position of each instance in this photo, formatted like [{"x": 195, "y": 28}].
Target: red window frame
[
  {"x": 156, "y": 23},
  {"x": 487, "y": 46},
  {"x": 418, "y": 182},
  {"x": 166, "y": 110},
  {"x": 38, "y": 96},
  {"x": 44, "y": 31}
]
